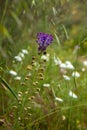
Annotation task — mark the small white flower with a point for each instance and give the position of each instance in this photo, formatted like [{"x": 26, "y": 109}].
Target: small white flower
[
  {"x": 76, "y": 74},
  {"x": 73, "y": 95},
  {"x": 69, "y": 65},
  {"x": 46, "y": 85},
  {"x": 83, "y": 69},
  {"x": 59, "y": 99},
  {"x": 12, "y": 72},
  {"x": 62, "y": 65},
  {"x": 18, "y": 58},
  {"x": 24, "y": 51},
  {"x": 21, "y": 55},
  {"x": 45, "y": 57},
  {"x": 66, "y": 77},
  {"x": 85, "y": 63},
  {"x": 17, "y": 78}
]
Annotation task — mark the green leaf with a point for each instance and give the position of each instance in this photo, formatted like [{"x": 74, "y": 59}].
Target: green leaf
[
  {"x": 8, "y": 87},
  {"x": 65, "y": 31},
  {"x": 57, "y": 39}
]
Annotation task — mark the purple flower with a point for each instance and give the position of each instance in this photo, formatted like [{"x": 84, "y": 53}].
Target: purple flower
[{"x": 43, "y": 41}]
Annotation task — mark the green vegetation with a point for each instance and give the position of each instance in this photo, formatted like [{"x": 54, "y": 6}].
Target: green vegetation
[{"x": 43, "y": 91}]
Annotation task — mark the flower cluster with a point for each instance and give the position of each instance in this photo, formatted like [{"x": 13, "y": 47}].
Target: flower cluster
[{"x": 43, "y": 41}]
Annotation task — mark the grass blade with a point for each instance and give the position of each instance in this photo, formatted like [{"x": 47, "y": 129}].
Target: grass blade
[{"x": 8, "y": 87}]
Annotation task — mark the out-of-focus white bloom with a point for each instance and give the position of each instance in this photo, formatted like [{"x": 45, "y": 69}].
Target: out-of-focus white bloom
[
  {"x": 76, "y": 74},
  {"x": 21, "y": 55},
  {"x": 57, "y": 61},
  {"x": 24, "y": 51},
  {"x": 18, "y": 58},
  {"x": 59, "y": 99},
  {"x": 85, "y": 63},
  {"x": 73, "y": 95},
  {"x": 46, "y": 85},
  {"x": 66, "y": 77},
  {"x": 17, "y": 78},
  {"x": 12, "y": 72},
  {"x": 66, "y": 65},
  {"x": 45, "y": 57},
  {"x": 69, "y": 65},
  {"x": 83, "y": 69},
  {"x": 62, "y": 65}
]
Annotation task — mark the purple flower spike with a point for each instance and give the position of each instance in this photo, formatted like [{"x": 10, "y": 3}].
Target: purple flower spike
[{"x": 43, "y": 41}]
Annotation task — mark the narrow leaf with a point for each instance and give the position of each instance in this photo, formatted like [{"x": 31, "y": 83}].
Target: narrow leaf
[
  {"x": 8, "y": 87},
  {"x": 57, "y": 39},
  {"x": 65, "y": 31}
]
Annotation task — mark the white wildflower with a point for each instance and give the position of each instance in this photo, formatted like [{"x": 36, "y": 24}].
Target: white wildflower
[
  {"x": 46, "y": 85},
  {"x": 21, "y": 55},
  {"x": 62, "y": 65},
  {"x": 69, "y": 65},
  {"x": 76, "y": 74},
  {"x": 83, "y": 69},
  {"x": 59, "y": 99},
  {"x": 12, "y": 72},
  {"x": 85, "y": 63},
  {"x": 66, "y": 77},
  {"x": 45, "y": 57},
  {"x": 18, "y": 58},
  {"x": 17, "y": 78},
  {"x": 73, "y": 95},
  {"x": 24, "y": 51}
]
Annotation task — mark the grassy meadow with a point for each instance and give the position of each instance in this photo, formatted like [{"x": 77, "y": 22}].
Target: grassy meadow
[{"x": 46, "y": 91}]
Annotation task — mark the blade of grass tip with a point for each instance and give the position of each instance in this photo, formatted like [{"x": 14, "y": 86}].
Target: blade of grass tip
[
  {"x": 57, "y": 38},
  {"x": 65, "y": 31},
  {"x": 4, "y": 32},
  {"x": 8, "y": 87},
  {"x": 16, "y": 18}
]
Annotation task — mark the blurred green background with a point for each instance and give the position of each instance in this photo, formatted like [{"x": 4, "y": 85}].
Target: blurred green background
[{"x": 21, "y": 20}]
